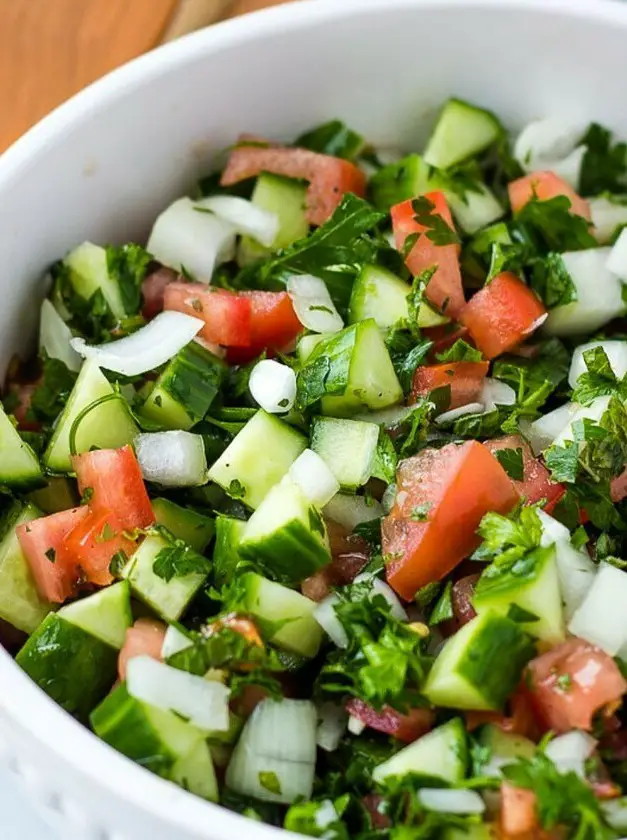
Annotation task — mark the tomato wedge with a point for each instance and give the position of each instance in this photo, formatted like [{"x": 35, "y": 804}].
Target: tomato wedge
[
  {"x": 56, "y": 576},
  {"x": 451, "y": 488},
  {"x": 571, "y": 682},
  {"x": 545, "y": 185},
  {"x": 115, "y": 482},
  {"x": 465, "y": 380},
  {"x": 144, "y": 638},
  {"x": 536, "y": 482},
  {"x": 502, "y": 314},
  {"x": 445, "y": 288},
  {"x": 330, "y": 178},
  {"x": 227, "y": 315},
  {"x": 274, "y": 325},
  {"x": 518, "y": 812},
  {"x": 404, "y": 727},
  {"x": 92, "y": 545}
]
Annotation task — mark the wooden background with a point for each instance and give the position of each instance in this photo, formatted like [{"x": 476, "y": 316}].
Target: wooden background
[{"x": 50, "y": 49}]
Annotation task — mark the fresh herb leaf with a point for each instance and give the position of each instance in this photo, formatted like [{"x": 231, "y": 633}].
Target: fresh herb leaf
[
  {"x": 550, "y": 226},
  {"x": 51, "y": 395},
  {"x": 461, "y": 351},
  {"x": 443, "y": 609},
  {"x": 420, "y": 513},
  {"x": 604, "y": 166},
  {"x": 269, "y": 780},
  {"x": 317, "y": 819},
  {"x": 179, "y": 560},
  {"x": 51, "y": 554},
  {"x": 385, "y": 459},
  {"x": 552, "y": 282},
  {"x": 599, "y": 379},
  {"x": 507, "y": 256},
  {"x": 333, "y": 138},
  {"x": 437, "y": 229},
  {"x": 326, "y": 371},
  {"x": 236, "y": 489},
  {"x": 407, "y": 354},
  {"x": 412, "y": 433},
  {"x": 521, "y": 530},
  {"x": 521, "y": 615},
  {"x": 127, "y": 265},
  {"x": 512, "y": 462},
  {"x": 118, "y": 562}
]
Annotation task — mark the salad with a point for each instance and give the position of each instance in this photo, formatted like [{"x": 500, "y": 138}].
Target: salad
[{"x": 316, "y": 504}]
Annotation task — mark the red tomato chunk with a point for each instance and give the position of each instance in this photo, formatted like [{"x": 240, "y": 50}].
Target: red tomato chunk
[
  {"x": 465, "y": 380},
  {"x": 536, "y": 483}
]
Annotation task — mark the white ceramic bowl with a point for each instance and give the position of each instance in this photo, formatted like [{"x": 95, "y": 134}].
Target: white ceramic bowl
[{"x": 104, "y": 164}]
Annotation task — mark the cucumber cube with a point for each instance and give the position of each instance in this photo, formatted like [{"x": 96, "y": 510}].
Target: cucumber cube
[
  {"x": 195, "y": 772},
  {"x": 348, "y": 447},
  {"x": 226, "y": 556},
  {"x": 378, "y": 294},
  {"x": 308, "y": 343},
  {"x": 503, "y": 748},
  {"x": 106, "y": 614},
  {"x": 406, "y": 178},
  {"x": 441, "y": 754},
  {"x": 89, "y": 274},
  {"x": 462, "y": 131},
  {"x": 59, "y": 494},
  {"x": 193, "y": 528},
  {"x": 19, "y": 466}
]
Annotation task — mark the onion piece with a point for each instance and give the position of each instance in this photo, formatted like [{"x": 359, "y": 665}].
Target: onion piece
[
  {"x": 55, "y": 338},
  {"x": 617, "y": 260},
  {"x": 326, "y": 617},
  {"x": 569, "y": 168},
  {"x": 608, "y": 214},
  {"x": 247, "y": 218},
  {"x": 185, "y": 238},
  {"x": 616, "y": 352},
  {"x": 451, "y": 801},
  {"x": 313, "y": 305},
  {"x": 311, "y": 473},
  {"x": 601, "y": 619},
  {"x": 203, "y": 703},
  {"x": 326, "y": 814},
  {"x": 144, "y": 350},
  {"x": 172, "y": 459},
  {"x": 351, "y": 511},
  {"x": 570, "y": 752},
  {"x": 543, "y": 431},
  {"x": 494, "y": 392},
  {"x": 455, "y": 413},
  {"x": 388, "y": 417},
  {"x": 594, "y": 411},
  {"x": 615, "y": 812},
  {"x": 174, "y": 641},
  {"x": 273, "y": 386},
  {"x": 355, "y": 725},
  {"x": 546, "y": 140},
  {"x": 379, "y": 587},
  {"x": 332, "y": 720}
]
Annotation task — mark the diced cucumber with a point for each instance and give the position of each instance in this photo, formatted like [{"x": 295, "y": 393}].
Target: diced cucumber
[
  {"x": 108, "y": 425},
  {"x": 378, "y": 294},
  {"x": 195, "y": 772},
  {"x": 481, "y": 831},
  {"x": 193, "y": 528},
  {"x": 285, "y": 197},
  {"x": 154, "y": 738},
  {"x": 479, "y": 667},
  {"x": 186, "y": 389},
  {"x": 19, "y": 466},
  {"x": 89, "y": 273},
  {"x": 298, "y": 632},
  {"x": 348, "y": 447},
  {"x": 226, "y": 556},
  {"x": 286, "y": 535},
  {"x": 167, "y": 598},
  {"x": 461, "y": 132},
  {"x": 307, "y": 344},
  {"x": 476, "y": 209},
  {"x": 430, "y": 317},
  {"x": 73, "y": 667},
  {"x": 20, "y": 602},
  {"x": 502, "y": 748},
  {"x": 257, "y": 458},
  {"x": 59, "y": 494},
  {"x": 406, "y": 178},
  {"x": 106, "y": 614},
  {"x": 441, "y": 754},
  {"x": 532, "y": 586},
  {"x": 609, "y": 215}
]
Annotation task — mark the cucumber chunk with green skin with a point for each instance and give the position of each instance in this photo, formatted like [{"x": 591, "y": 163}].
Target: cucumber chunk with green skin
[
  {"x": 286, "y": 536},
  {"x": 399, "y": 181},
  {"x": 475, "y": 209},
  {"x": 299, "y": 632},
  {"x": 59, "y": 494},
  {"x": 307, "y": 344},
  {"x": 461, "y": 132},
  {"x": 226, "y": 556},
  {"x": 193, "y": 528},
  {"x": 186, "y": 388},
  {"x": 73, "y": 667},
  {"x": 19, "y": 466},
  {"x": 20, "y": 602},
  {"x": 89, "y": 274},
  {"x": 480, "y": 666},
  {"x": 531, "y": 584},
  {"x": 502, "y": 748},
  {"x": 108, "y": 425},
  {"x": 106, "y": 614},
  {"x": 195, "y": 773},
  {"x": 168, "y": 598},
  {"x": 257, "y": 458},
  {"x": 287, "y": 198},
  {"x": 378, "y": 294},
  {"x": 154, "y": 738},
  {"x": 348, "y": 447},
  {"x": 441, "y": 754}
]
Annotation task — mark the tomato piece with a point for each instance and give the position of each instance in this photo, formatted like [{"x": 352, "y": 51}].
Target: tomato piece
[
  {"x": 372, "y": 803},
  {"x": 244, "y": 626},
  {"x": 116, "y": 483},
  {"x": 404, "y": 727},
  {"x": 274, "y": 325},
  {"x": 465, "y": 380},
  {"x": 518, "y": 812},
  {"x": 93, "y": 543},
  {"x": 536, "y": 483},
  {"x": 445, "y": 289},
  {"x": 502, "y": 314},
  {"x": 153, "y": 290},
  {"x": 571, "y": 682},
  {"x": 349, "y": 554},
  {"x": 453, "y": 488},
  {"x": 56, "y": 577},
  {"x": 227, "y": 315},
  {"x": 444, "y": 337},
  {"x": 545, "y": 185},
  {"x": 330, "y": 178},
  {"x": 618, "y": 487},
  {"x": 144, "y": 638}
]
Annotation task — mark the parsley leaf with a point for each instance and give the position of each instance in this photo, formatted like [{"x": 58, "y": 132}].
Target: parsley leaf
[
  {"x": 443, "y": 609},
  {"x": 269, "y": 780},
  {"x": 52, "y": 393},
  {"x": 522, "y": 529},
  {"x": 179, "y": 560},
  {"x": 127, "y": 265},
  {"x": 461, "y": 351},
  {"x": 437, "y": 229},
  {"x": 316, "y": 819},
  {"x": 598, "y": 380},
  {"x": 550, "y": 226},
  {"x": 552, "y": 282},
  {"x": 385, "y": 459},
  {"x": 333, "y": 138},
  {"x": 604, "y": 166},
  {"x": 406, "y": 354},
  {"x": 512, "y": 462}
]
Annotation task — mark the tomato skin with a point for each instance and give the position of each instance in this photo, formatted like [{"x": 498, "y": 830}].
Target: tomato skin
[
  {"x": 404, "y": 727},
  {"x": 330, "y": 178},
  {"x": 371, "y": 803},
  {"x": 545, "y": 185},
  {"x": 92, "y": 544},
  {"x": 518, "y": 812},
  {"x": 618, "y": 487},
  {"x": 593, "y": 681},
  {"x": 461, "y": 483},
  {"x": 444, "y": 337},
  {"x": 56, "y": 580},
  {"x": 153, "y": 290},
  {"x": 349, "y": 554},
  {"x": 274, "y": 325},
  {"x": 445, "y": 289},
  {"x": 464, "y": 378},
  {"x": 502, "y": 314},
  {"x": 144, "y": 638},
  {"x": 227, "y": 315},
  {"x": 115, "y": 479},
  {"x": 536, "y": 483}
]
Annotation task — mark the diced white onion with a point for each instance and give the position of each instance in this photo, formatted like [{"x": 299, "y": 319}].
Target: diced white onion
[
  {"x": 615, "y": 812},
  {"x": 569, "y": 168},
  {"x": 570, "y": 752},
  {"x": 203, "y": 703},
  {"x": 607, "y": 216},
  {"x": 311, "y": 473},
  {"x": 327, "y": 618},
  {"x": 379, "y": 587},
  {"x": 355, "y": 725},
  {"x": 389, "y": 498},
  {"x": 575, "y": 569},
  {"x": 172, "y": 459},
  {"x": 144, "y": 350},
  {"x": 602, "y": 619},
  {"x": 332, "y": 720},
  {"x": 218, "y": 351},
  {"x": 494, "y": 392},
  {"x": 617, "y": 260},
  {"x": 543, "y": 431},
  {"x": 313, "y": 305},
  {"x": 388, "y": 417},
  {"x": 55, "y": 338},
  {"x": 594, "y": 411},
  {"x": 550, "y": 139},
  {"x": 351, "y": 511},
  {"x": 247, "y": 218},
  {"x": 174, "y": 641},
  {"x": 616, "y": 352},
  {"x": 278, "y": 738},
  {"x": 552, "y": 530},
  {"x": 326, "y": 814},
  {"x": 273, "y": 386},
  {"x": 455, "y": 413},
  {"x": 451, "y": 801},
  {"x": 186, "y": 238},
  {"x": 476, "y": 209}
]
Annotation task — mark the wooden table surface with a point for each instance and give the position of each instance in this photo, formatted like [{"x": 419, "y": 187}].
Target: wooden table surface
[{"x": 49, "y": 49}]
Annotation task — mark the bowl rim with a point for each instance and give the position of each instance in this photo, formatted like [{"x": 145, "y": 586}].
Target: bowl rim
[{"x": 21, "y": 700}]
